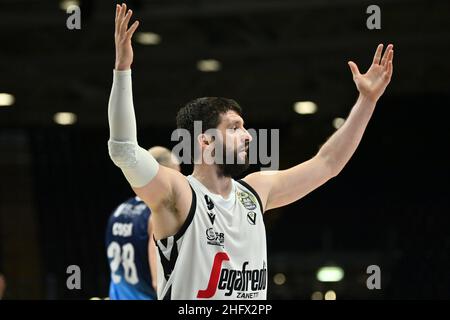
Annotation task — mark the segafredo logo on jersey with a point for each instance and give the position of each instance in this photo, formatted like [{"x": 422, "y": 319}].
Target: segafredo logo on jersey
[{"x": 245, "y": 283}]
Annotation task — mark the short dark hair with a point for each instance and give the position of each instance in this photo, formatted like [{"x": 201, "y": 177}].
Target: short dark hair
[{"x": 207, "y": 110}]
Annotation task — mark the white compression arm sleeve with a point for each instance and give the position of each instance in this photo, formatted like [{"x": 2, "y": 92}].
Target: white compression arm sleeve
[{"x": 137, "y": 164}]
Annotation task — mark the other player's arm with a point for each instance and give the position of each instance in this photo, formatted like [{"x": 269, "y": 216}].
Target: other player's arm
[{"x": 279, "y": 188}]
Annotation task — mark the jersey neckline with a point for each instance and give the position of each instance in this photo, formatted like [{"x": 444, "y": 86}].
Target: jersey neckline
[{"x": 231, "y": 195}]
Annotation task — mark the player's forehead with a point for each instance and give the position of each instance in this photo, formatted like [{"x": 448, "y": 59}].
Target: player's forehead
[{"x": 231, "y": 117}]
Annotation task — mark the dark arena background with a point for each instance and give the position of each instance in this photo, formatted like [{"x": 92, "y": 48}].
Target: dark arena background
[{"x": 389, "y": 207}]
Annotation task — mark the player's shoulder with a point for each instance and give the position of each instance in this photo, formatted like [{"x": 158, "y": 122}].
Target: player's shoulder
[{"x": 248, "y": 193}]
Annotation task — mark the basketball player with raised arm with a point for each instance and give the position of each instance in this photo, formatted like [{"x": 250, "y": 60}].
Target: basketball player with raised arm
[{"x": 208, "y": 227}]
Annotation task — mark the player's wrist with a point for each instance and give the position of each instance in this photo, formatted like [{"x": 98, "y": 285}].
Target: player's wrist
[{"x": 368, "y": 98}]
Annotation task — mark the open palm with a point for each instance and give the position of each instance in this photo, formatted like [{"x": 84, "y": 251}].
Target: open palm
[
  {"x": 373, "y": 83},
  {"x": 122, "y": 36}
]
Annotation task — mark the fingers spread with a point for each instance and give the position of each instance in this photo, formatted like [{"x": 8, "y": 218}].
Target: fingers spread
[
  {"x": 123, "y": 10},
  {"x": 377, "y": 56},
  {"x": 124, "y": 25},
  {"x": 132, "y": 29},
  {"x": 117, "y": 22},
  {"x": 390, "y": 69},
  {"x": 388, "y": 59},
  {"x": 354, "y": 68},
  {"x": 386, "y": 55}
]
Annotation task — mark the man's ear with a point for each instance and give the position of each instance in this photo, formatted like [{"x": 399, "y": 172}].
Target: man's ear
[{"x": 204, "y": 139}]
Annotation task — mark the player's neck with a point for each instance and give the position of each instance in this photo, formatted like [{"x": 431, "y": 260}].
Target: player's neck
[{"x": 209, "y": 177}]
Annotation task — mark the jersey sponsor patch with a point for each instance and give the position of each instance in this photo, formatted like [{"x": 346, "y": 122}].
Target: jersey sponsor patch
[
  {"x": 244, "y": 283},
  {"x": 247, "y": 200},
  {"x": 215, "y": 238},
  {"x": 251, "y": 217}
]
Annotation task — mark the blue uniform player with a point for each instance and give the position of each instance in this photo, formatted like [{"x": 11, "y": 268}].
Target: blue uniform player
[{"x": 129, "y": 246}]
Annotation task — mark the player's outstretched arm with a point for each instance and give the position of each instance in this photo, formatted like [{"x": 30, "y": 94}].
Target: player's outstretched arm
[
  {"x": 283, "y": 187},
  {"x": 164, "y": 190}
]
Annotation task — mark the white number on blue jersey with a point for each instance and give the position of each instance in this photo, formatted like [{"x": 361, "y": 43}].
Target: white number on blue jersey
[{"x": 127, "y": 260}]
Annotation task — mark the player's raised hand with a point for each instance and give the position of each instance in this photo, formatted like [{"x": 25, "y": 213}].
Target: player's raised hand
[
  {"x": 122, "y": 35},
  {"x": 373, "y": 83}
]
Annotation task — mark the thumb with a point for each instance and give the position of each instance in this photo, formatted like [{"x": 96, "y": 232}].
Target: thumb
[{"x": 354, "y": 68}]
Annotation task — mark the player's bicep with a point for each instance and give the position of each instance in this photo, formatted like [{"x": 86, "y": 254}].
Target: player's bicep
[
  {"x": 160, "y": 189},
  {"x": 280, "y": 188},
  {"x": 261, "y": 182}
]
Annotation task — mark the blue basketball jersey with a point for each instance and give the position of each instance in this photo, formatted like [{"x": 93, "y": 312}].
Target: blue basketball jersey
[{"x": 127, "y": 251}]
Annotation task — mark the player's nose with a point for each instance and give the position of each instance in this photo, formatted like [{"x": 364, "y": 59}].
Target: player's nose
[{"x": 247, "y": 137}]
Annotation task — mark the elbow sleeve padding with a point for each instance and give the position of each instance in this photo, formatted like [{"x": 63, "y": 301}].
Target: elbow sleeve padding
[
  {"x": 123, "y": 154},
  {"x": 137, "y": 164}
]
